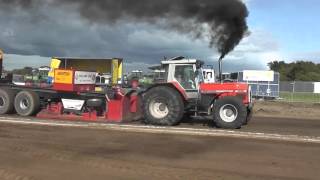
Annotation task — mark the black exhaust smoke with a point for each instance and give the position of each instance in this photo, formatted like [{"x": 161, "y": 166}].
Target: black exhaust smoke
[{"x": 223, "y": 21}]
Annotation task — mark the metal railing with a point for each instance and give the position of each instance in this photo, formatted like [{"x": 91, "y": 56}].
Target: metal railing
[
  {"x": 298, "y": 91},
  {"x": 308, "y": 97}
]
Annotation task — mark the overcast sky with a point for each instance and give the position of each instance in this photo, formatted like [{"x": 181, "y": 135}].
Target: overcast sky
[{"x": 279, "y": 30}]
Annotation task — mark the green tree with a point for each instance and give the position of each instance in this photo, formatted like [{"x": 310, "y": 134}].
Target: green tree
[
  {"x": 23, "y": 71},
  {"x": 296, "y": 71}
]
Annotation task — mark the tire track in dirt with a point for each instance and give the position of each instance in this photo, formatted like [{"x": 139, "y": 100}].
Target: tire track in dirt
[
  {"x": 122, "y": 166},
  {"x": 169, "y": 130},
  {"x": 98, "y": 153},
  {"x": 37, "y": 154},
  {"x": 10, "y": 175},
  {"x": 145, "y": 169},
  {"x": 66, "y": 157},
  {"x": 116, "y": 164}
]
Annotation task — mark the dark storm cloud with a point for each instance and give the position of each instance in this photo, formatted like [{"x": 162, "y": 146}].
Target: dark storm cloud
[
  {"x": 46, "y": 28},
  {"x": 226, "y": 19}
]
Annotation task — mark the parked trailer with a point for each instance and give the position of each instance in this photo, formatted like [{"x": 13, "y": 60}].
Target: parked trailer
[{"x": 72, "y": 96}]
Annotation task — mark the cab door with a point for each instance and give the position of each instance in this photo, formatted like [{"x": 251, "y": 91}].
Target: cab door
[{"x": 185, "y": 75}]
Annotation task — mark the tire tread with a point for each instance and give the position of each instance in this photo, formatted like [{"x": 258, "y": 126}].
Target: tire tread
[
  {"x": 175, "y": 111},
  {"x": 9, "y": 94},
  {"x": 35, "y": 103},
  {"x": 242, "y": 112}
]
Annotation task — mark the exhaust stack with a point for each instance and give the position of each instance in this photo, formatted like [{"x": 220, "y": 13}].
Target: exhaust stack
[
  {"x": 1, "y": 62},
  {"x": 220, "y": 68}
]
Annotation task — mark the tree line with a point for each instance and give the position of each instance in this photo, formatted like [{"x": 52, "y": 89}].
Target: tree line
[
  {"x": 23, "y": 71},
  {"x": 296, "y": 71}
]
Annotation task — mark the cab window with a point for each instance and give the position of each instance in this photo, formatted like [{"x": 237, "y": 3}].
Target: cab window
[{"x": 185, "y": 75}]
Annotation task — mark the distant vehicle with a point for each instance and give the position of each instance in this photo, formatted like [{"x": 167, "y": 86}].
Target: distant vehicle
[
  {"x": 136, "y": 74},
  {"x": 36, "y": 77}
]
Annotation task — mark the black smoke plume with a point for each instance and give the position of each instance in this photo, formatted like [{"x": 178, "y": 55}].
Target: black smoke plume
[{"x": 223, "y": 21}]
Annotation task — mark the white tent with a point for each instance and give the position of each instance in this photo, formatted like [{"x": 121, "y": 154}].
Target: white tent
[{"x": 316, "y": 87}]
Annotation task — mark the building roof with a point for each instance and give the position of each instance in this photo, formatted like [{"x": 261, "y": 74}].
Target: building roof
[
  {"x": 84, "y": 58},
  {"x": 179, "y": 60}
]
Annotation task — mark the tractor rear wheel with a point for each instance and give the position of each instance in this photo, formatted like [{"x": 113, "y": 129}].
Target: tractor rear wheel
[
  {"x": 6, "y": 101},
  {"x": 162, "y": 106},
  {"x": 229, "y": 113},
  {"x": 27, "y": 103}
]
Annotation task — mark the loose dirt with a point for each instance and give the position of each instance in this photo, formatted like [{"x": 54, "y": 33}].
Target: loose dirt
[
  {"x": 287, "y": 110},
  {"x": 30, "y": 152}
]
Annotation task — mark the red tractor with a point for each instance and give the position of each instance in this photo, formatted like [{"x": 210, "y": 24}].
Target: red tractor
[{"x": 183, "y": 92}]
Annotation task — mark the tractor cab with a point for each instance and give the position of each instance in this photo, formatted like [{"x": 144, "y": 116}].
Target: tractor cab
[
  {"x": 185, "y": 71},
  {"x": 185, "y": 74},
  {"x": 194, "y": 81}
]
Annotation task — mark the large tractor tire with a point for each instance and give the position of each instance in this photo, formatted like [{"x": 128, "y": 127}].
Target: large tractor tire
[
  {"x": 27, "y": 103},
  {"x": 229, "y": 113},
  {"x": 162, "y": 106},
  {"x": 6, "y": 101}
]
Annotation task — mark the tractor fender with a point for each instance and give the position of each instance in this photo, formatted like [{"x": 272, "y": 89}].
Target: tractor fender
[{"x": 229, "y": 94}]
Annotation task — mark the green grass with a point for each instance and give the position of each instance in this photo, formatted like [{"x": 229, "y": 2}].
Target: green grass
[{"x": 300, "y": 97}]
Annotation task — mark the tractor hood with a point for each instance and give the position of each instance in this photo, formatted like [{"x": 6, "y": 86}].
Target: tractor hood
[{"x": 214, "y": 88}]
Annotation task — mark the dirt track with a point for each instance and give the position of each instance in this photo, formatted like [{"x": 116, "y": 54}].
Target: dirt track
[
  {"x": 40, "y": 152},
  {"x": 296, "y": 110}
]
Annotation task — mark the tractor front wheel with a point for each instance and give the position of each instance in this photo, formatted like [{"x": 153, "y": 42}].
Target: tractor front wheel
[
  {"x": 229, "y": 113},
  {"x": 162, "y": 106}
]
